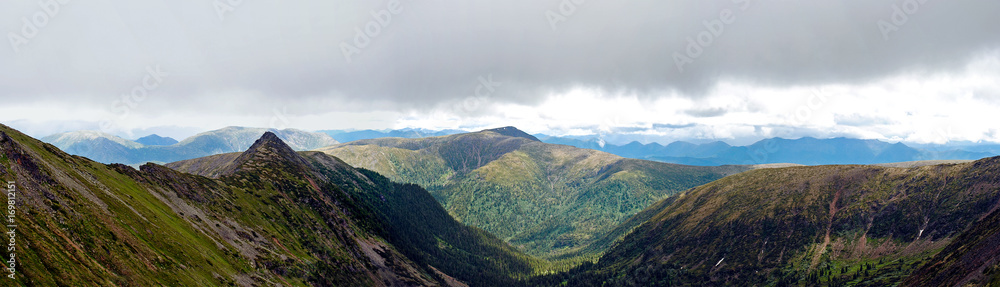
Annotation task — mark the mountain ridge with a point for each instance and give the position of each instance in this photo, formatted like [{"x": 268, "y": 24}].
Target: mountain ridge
[
  {"x": 155, "y": 140},
  {"x": 107, "y": 148},
  {"x": 805, "y": 150},
  {"x": 550, "y": 200},
  {"x": 813, "y": 225},
  {"x": 512, "y": 132},
  {"x": 267, "y": 149},
  {"x": 353, "y": 135},
  {"x": 716, "y": 153},
  {"x": 307, "y": 219}
]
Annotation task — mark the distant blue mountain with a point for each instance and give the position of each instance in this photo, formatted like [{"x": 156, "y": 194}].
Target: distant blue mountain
[
  {"x": 807, "y": 151},
  {"x": 635, "y": 149},
  {"x": 155, "y": 140},
  {"x": 108, "y": 148},
  {"x": 349, "y": 136}
]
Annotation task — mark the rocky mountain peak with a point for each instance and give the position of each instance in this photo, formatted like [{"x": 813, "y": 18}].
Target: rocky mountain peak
[{"x": 267, "y": 150}]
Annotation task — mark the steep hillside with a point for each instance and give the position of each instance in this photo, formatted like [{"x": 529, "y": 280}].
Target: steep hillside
[
  {"x": 550, "y": 200},
  {"x": 107, "y": 148},
  {"x": 84, "y": 223},
  {"x": 273, "y": 216},
  {"x": 824, "y": 225},
  {"x": 973, "y": 258}
]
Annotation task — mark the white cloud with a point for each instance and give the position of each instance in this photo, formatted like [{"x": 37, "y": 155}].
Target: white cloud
[
  {"x": 782, "y": 68},
  {"x": 917, "y": 107}
]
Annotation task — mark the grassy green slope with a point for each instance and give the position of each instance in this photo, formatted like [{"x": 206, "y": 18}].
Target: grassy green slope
[
  {"x": 405, "y": 216},
  {"x": 549, "y": 200},
  {"x": 84, "y": 223},
  {"x": 824, "y": 225},
  {"x": 424, "y": 231},
  {"x": 292, "y": 221},
  {"x": 273, "y": 218}
]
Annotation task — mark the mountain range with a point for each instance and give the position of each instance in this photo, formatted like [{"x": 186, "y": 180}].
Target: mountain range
[
  {"x": 550, "y": 200},
  {"x": 806, "y": 151},
  {"x": 108, "y": 148},
  {"x": 271, "y": 215},
  {"x": 349, "y": 136}
]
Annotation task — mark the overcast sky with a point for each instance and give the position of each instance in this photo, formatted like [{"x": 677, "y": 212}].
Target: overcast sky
[{"x": 733, "y": 70}]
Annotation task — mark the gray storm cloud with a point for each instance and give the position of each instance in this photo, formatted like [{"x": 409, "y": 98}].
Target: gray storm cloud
[{"x": 412, "y": 54}]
